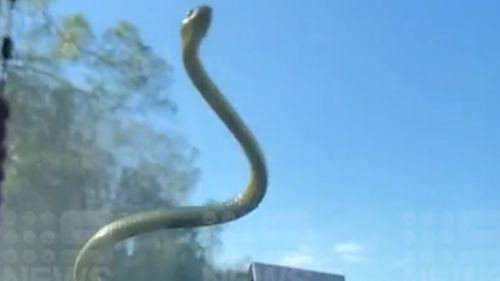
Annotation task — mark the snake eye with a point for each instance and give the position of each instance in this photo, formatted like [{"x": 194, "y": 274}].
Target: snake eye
[{"x": 190, "y": 13}]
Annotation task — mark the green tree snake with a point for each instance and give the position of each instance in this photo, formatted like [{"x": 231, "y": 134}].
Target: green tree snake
[{"x": 194, "y": 27}]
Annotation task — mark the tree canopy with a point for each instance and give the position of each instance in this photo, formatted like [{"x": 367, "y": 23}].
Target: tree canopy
[{"x": 77, "y": 145}]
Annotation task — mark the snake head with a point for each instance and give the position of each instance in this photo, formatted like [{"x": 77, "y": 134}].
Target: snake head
[{"x": 195, "y": 24}]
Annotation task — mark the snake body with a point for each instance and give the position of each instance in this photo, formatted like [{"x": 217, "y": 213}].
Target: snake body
[{"x": 194, "y": 28}]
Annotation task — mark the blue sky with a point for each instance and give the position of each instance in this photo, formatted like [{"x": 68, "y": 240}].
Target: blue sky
[{"x": 379, "y": 120}]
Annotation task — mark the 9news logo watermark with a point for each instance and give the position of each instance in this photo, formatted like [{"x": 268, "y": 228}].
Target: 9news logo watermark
[
  {"x": 43, "y": 246},
  {"x": 448, "y": 245}
]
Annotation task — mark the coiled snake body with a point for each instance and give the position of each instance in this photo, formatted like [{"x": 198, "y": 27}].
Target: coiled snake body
[{"x": 194, "y": 28}]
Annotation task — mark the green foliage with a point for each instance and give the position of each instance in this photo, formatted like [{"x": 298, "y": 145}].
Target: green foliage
[
  {"x": 74, "y": 143},
  {"x": 75, "y": 35}
]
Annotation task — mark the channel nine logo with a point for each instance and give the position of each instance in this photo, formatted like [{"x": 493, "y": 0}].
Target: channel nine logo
[{"x": 43, "y": 246}]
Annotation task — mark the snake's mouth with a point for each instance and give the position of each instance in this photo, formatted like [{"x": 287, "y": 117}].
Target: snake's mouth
[{"x": 196, "y": 23}]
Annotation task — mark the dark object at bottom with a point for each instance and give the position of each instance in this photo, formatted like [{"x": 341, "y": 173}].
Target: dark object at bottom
[
  {"x": 4, "y": 116},
  {"x": 269, "y": 272}
]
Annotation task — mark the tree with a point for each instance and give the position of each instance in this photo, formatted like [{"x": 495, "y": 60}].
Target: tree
[{"x": 76, "y": 142}]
